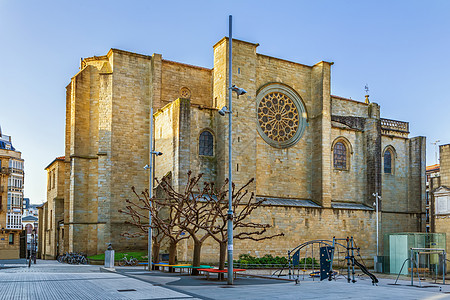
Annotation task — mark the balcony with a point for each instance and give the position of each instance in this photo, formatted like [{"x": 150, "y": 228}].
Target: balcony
[
  {"x": 16, "y": 171},
  {"x": 394, "y": 128},
  {"x": 14, "y": 189},
  {"x": 14, "y": 221}
]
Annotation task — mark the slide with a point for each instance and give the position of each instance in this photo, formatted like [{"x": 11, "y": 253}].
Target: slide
[{"x": 365, "y": 271}]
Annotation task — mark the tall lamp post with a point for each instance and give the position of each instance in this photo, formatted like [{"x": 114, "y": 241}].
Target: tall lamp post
[
  {"x": 222, "y": 112},
  {"x": 150, "y": 192},
  {"x": 377, "y": 197}
]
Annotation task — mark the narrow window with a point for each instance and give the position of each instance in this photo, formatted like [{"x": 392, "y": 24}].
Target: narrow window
[
  {"x": 206, "y": 144},
  {"x": 11, "y": 238},
  {"x": 340, "y": 156},
  {"x": 387, "y": 162},
  {"x": 239, "y": 70}
]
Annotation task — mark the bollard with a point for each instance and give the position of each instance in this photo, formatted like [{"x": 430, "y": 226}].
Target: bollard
[{"x": 109, "y": 257}]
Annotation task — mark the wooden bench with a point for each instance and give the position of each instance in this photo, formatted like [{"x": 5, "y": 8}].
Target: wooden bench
[
  {"x": 145, "y": 264},
  {"x": 207, "y": 271},
  {"x": 170, "y": 266},
  {"x": 190, "y": 268}
]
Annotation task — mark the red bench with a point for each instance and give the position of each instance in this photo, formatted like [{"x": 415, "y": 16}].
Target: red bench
[{"x": 207, "y": 271}]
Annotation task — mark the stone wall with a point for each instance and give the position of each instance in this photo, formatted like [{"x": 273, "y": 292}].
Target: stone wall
[
  {"x": 441, "y": 223},
  {"x": 107, "y": 146},
  {"x": 297, "y": 223},
  {"x": 444, "y": 159},
  {"x": 347, "y": 107},
  {"x": 54, "y": 211},
  {"x": 356, "y": 172},
  {"x": 175, "y": 76}
]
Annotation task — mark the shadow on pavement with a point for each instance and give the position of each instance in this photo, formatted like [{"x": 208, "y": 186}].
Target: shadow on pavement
[{"x": 177, "y": 279}]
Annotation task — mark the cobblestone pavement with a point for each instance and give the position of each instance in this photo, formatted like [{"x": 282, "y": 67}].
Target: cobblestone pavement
[{"x": 51, "y": 280}]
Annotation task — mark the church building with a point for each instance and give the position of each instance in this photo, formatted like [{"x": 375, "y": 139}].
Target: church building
[{"x": 317, "y": 158}]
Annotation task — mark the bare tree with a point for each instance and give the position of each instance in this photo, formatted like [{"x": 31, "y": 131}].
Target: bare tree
[
  {"x": 200, "y": 212},
  {"x": 243, "y": 205},
  {"x": 141, "y": 221},
  {"x": 195, "y": 207},
  {"x": 166, "y": 218}
]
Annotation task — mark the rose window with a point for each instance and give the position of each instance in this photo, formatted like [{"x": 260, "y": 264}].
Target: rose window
[
  {"x": 278, "y": 117},
  {"x": 281, "y": 115},
  {"x": 185, "y": 93}
]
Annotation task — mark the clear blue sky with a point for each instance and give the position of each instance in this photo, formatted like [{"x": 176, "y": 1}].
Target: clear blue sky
[{"x": 400, "y": 48}]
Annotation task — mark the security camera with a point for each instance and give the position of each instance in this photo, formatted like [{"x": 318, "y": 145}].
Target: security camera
[
  {"x": 223, "y": 111},
  {"x": 146, "y": 167},
  {"x": 157, "y": 153},
  {"x": 239, "y": 91}
]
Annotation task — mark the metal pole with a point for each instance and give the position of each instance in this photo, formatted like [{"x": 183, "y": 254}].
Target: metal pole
[
  {"x": 377, "y": 224},
  {"x": 353, "y": 262},
  {"x": 150, "y": 192},
  {"x": 348, "y": 261},
  {"x": 230, "y": 178},
  {"x": 412, "y": 267}
]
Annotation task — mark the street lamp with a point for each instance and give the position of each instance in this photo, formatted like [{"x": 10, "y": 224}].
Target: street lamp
[
  {"x": 377, "y": 197},
  {"x": 228, "y": 110},
  {"x": 150, "y": 167}
]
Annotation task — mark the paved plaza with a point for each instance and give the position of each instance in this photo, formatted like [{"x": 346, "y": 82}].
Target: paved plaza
[{"x": 52, "y": 280}]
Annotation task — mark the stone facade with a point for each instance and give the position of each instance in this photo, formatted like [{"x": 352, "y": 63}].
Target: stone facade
[
  {"x": 440, "y": 196},
  {"x": 309, "y": 195},
  {"x": 11, "y": 198},
  {"x": 51, "y": 213}
]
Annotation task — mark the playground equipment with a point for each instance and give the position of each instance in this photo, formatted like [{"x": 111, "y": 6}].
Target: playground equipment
[
  {"x": 302, "y": 258},
  {"x": 417, "y": 265}
]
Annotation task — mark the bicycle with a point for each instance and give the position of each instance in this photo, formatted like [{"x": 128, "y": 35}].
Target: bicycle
[{"x": 128, "y": 262}]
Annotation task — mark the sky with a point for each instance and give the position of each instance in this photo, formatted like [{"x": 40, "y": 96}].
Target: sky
[{"x": 399, "y": 48}]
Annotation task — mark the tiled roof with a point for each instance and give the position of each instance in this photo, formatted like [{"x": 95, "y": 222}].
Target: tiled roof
[
  {"x": 59, "y": 158},
  {"x": 29, "y": 218},
  {"x": 343, "y": 205},
  {"x": 435, "y": 167},
  {"x": 288, "y": 202}
]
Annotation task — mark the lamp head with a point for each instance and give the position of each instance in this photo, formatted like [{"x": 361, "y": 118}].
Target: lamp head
[
  {"x": 239, "y": 91},
  {"x": 157, "y": 153},
  {"x": 223, "y": 111},
  {"x": 146, "y": 167}
]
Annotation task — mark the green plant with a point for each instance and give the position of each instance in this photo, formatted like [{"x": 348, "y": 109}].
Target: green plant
[
  {"x": 140, "y": 255},
  {"x": 267, "y": 260}
]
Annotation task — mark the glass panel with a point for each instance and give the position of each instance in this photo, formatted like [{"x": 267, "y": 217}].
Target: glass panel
[
  {"x": 340, "y": 156},
  {"x": 387, "y": 162},
  {"x": 206, "y": 144}
]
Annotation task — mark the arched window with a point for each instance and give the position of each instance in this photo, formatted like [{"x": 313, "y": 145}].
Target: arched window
[
  {"x": 340, "y": 156},
  {"x": 388, "y": 162},
  {"x": 206, "y": 144}
]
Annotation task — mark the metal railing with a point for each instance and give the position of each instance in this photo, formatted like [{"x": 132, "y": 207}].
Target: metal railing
[
  {"x": 388, "y": 124},
  {"x": 16, "y": 171}
]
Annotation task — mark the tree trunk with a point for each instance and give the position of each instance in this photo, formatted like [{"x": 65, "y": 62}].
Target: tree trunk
[
  {"x": 155, "y": 252},
  {"x": 196, "y": 256},
  {"x": 172, "y": 254},
  {"x": 222, "y": 258}
]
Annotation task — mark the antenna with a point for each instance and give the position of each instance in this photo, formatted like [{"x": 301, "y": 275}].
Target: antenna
[{"x": 436, "y": 150}]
